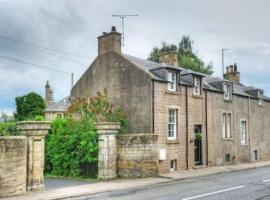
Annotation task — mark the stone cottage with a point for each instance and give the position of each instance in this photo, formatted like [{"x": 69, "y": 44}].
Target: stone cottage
[
  {"x": 54, "y": 109},
  {"x": 200, "y": 120}
]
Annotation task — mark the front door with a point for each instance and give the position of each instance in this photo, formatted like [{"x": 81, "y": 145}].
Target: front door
[{"x": 198, "y": 145}]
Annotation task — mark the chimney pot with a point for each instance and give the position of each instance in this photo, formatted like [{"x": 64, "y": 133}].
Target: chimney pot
[
  {"x": 227, "y": 69},
  {"x": 113, "y": 29},
  {"x": 235, "y": 67}
]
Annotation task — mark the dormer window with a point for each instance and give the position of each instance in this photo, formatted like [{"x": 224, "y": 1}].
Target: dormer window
[
  {"x": 227, "y": 91},
  {"x": 172, "y": 78},
  {"x": 260, "y": 96},
  {"x": 196, "y": 86}
]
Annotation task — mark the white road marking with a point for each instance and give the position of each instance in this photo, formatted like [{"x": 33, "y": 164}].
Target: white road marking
[
  {"x": 265, "y": 181},
  {"x": 217, "y": 192}
]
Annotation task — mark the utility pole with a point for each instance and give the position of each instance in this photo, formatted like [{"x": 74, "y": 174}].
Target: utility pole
[{"x": 123, "y": 25}]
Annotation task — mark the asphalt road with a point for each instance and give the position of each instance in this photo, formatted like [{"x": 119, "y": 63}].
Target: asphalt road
[{"x": 246, "y": 185}]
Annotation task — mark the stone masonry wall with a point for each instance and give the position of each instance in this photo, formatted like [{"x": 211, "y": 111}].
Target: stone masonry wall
[
  {"x": 137, "y": 155},
  {"x": 13, "y": 152},
  {"x": 176, "y": 149}
]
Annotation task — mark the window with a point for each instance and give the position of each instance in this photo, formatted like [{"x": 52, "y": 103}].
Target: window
[
  {"x": 260, "y": 96},
  {"x": 197, "y": 86},
  {"x": 227, "y": 91},
  {"x": 59, "y": 116},
  {"x": 243, "y": 132},
  {"x": 173, "y": 165},
  {"x": 172, "y": 81},
  {"x": 226, "y": 125},
  {"x": 172, "y": 123}
]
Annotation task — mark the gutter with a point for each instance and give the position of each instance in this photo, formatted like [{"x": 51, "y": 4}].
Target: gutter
[
  {"x": 186, "y": 89},
  {"x": 249, "y": 135}
]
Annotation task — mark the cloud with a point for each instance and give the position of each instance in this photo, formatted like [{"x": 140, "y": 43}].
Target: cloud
[{"x": 73, "y": 26}]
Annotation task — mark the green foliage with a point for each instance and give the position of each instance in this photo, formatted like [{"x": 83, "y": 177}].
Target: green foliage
[
  {"x": 101, "y": 110},
  {"x": 39, "y": 118},
  {"x": 186, "y": 57},
  {"x": 73, "y": 140},
  {"x": 69, "y": 144},
  {"x": 29, "y": 106},
  {"x": 8, "y": 128},
  {"x": 198, "y": 136}
]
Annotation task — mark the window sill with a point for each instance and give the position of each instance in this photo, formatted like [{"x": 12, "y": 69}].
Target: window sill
[
  {"x": 172, "y": 141},
  {"x": 261, "y": 105},
  {"x": 244, "y": 145},
  {"x": 228, "y": 100},
  {"x": 172, "y": 92},
  {"x": 197, "y": 96},
  {"x": 227, "y": 139}
]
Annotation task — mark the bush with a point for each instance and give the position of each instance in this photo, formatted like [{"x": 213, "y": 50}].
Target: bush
[
  {"x": 8, "y": 128},
  {"x": 70, "y": 144}
]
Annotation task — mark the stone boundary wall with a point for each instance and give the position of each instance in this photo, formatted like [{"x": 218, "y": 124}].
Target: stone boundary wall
[
  {"x": 13, "y": 152},
  {"x": 137, "y": 155}
]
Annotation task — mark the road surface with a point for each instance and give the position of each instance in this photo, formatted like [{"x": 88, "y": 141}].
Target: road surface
[{"x": 244, "y": 185}]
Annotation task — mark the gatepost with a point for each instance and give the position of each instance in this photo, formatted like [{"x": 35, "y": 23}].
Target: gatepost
[
  {"x": 107, "y": 149},
  {"x": 35, "y": 131}
]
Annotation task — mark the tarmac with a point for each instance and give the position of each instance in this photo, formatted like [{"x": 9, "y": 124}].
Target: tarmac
[{"x": 121, "y": 184}]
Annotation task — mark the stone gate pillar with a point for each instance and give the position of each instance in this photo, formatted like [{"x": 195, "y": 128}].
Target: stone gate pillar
[
  {"x": 107, "y": 149},
  {"x": 35, "y": 131}
]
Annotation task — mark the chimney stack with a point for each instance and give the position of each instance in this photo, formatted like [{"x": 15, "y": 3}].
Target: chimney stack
[
  {"x": 232, "y": 74},
  {"x": 169, "y": 58},
  {"x": 109, "y": 42},
  {"x": 48, "y": 94}
]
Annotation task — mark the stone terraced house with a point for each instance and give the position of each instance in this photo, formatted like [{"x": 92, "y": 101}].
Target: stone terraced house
[{"x": 200, "y": 120}]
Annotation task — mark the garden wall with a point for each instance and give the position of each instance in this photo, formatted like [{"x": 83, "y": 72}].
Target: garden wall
[
  {"x": 13, "y": 152},
  {"x": 137, "y": 155}
]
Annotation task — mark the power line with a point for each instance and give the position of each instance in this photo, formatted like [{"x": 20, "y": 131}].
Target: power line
[
  {"x": 34, "y": 65},
  {"x": 41, "y": 48}
]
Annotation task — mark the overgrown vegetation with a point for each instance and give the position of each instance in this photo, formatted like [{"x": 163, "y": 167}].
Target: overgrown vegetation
[
  {"x": 29, "y": 106},
  {"x": 186, "y": 57},
  {"x": 72, "y": 141},
  {"x": 8, "y": 128}
]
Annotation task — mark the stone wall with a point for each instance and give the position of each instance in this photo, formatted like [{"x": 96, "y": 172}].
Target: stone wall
[
  {"x": 13, "y": 152},
  {"x": 137, "y": 155}
]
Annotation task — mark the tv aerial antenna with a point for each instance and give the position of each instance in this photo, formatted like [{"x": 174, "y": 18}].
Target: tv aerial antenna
[{"x": 123, "y": 25}]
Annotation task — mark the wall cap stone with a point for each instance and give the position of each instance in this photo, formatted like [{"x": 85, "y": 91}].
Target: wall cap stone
[
  {"x": 34, "y": 128},
  {"x": 13, "y": 137},
  {"x": 108, "y": 127}
]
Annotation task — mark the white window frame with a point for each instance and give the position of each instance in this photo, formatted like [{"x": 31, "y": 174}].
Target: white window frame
[
  {"x": 227, "y": 125},
  {"x": 260, "y": 96},
  {"x": 173, "y": 165},
  {"x": 243, "y": 132},
  {"x": 196, "y": 86},
  {"x": 227, "y": 91},
  {"x": 172, "y": 123},
  {"x": 172, "y": 78}
]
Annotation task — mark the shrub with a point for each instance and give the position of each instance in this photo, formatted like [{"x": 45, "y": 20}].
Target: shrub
[
  {"x": 69, "y": 144},
  {"x": 8, "y": 128},
  {"x": 72, "y": 142}
]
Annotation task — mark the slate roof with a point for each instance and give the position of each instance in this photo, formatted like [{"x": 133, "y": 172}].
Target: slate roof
[
  {"x": 154, "y": 69},
  {"x": 60, "y": 106}
]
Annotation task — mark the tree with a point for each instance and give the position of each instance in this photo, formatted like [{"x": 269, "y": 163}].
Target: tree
[
  {"x": 186, "y": 57},
  {"x": 29, "y": 106}
]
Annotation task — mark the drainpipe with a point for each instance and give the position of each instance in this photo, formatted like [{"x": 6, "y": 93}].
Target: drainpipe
[
  {"x": 186, "y": 127},
  {"x": 206, "y": 126},
  {"x": 249, "y": 134},
  {"x": 153, "y": 106}
]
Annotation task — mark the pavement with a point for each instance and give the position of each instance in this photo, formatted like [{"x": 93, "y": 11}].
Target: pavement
[{"x": 99, "y": 188}]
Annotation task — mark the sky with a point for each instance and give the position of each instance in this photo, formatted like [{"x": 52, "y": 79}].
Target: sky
[{"x": 70, "y": 28}]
